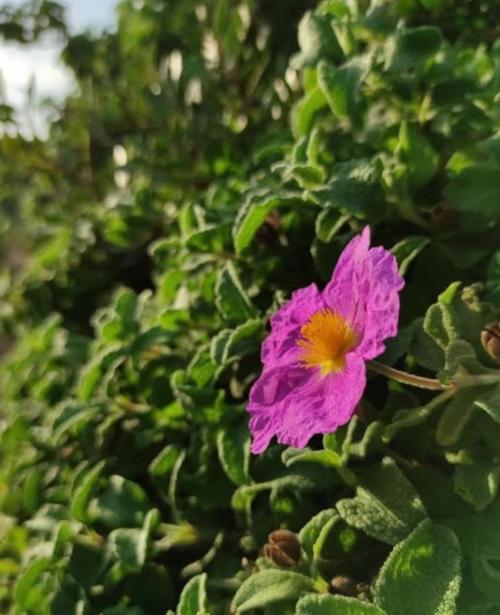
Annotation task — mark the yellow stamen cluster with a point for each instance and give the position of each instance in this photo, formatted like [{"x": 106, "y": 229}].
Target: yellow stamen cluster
[{"x": 325, "y": 340}]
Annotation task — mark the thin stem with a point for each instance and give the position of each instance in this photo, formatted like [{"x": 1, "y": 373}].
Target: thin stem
[{"x": 405, "y": 377}]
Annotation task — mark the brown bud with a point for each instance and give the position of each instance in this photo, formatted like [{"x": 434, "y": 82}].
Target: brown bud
[
  {"x": 490, "y": 339},
  {"x": 283, "y": 548},
  {"x": 444, "y": 214},
  {"x": 344, "y": 585}
]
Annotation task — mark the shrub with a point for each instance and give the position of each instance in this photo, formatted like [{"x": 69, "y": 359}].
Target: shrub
[{"x": 205, "y": 168}]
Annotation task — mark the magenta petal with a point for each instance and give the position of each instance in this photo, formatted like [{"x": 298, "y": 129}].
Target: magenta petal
[
  {"x": 295, "y": 403},
  {"x": 280, "y": 346},
  {"x": 381, "y": 303},
  {"x": 344, "y": 293},
  {"x": 269, "y": 396},
  {"x": 365, "y": 289},
  {"x": 323, "y": 407}
]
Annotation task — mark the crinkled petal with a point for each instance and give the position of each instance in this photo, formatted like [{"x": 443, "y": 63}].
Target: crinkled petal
[
  {"x": 295, "y": 403},
  {"x": 365, "y": 289},
  {"x": 269, "y": 395},
  {"x": 280, "y": 346},
  {"x": 323, "y": 407}
]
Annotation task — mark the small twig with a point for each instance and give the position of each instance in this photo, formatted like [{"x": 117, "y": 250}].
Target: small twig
[{"x": 406, "y": 378}]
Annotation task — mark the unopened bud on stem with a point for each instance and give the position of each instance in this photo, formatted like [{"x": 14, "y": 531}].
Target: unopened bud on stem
[
  {"x": 283, "y": 548},
  {"x": 490, "y": 339}
]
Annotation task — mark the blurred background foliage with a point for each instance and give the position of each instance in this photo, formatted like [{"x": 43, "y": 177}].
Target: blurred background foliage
[{"x": 213, "y": 158}]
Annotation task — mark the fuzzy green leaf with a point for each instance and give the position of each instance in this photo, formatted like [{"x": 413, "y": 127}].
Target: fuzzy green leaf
[
  {"x": 422, "y": 574},
  {"x": 271, "y": 587},
  {"x": 386, "y": 505},
  {"x": 338, "y": 605},
  {"x": 193, "y": 600},
  {"x": 231, "y": 299}
]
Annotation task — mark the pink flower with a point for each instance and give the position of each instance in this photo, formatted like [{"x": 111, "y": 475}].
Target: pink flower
[{"x": 314, "y": 357}]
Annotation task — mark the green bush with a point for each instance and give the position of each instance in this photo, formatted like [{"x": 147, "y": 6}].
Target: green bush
[{"x": 206, "y": 167}]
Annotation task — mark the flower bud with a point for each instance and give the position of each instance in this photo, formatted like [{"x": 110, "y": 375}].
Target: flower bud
[
  {"x": 344, "y": 585},
  {"x": 283, "y": 548},
  {"x": 444, "y": 214},
  {"x": 490, "y": 339}
]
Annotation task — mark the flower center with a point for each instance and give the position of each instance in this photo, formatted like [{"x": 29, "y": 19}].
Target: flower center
[{"x": 325, "y": 340}]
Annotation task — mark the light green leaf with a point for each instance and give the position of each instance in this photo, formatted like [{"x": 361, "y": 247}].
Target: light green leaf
[
  {"x": 230, "y": 298},
  {"x": 341, "y": 86},
  {"x": 130, "y": 545},
  {"x": 335, "y": 605},
  {"x": 326, "y": 458},
  {"x": 412, "y": 47},
  {"x": 477, "y": 483},
  {"x": 163, "y": 464},
  {"x": 81, "y": 496},
  {"x": 422, "y": 574},
  {"x": 193, "y": 600},
  {"x": 304, "y": 111},
  {"x": 233, "y": 447},
  {"x": 241, "y": 341},
  {"x": 490, "y": 403},
  {"x": 270, "y": 587},
  {"x": 122, "y": 503},
  {"x": 316, "y": 39},
  {"x": 26, "y": 583},
  {"x": 386, "y": 505},
  {"x": 309, "y": 534},
  {"x": 418, "y": 154}
]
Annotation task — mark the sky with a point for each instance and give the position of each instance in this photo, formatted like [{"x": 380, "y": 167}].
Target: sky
[{"x": 20, "y": 64}]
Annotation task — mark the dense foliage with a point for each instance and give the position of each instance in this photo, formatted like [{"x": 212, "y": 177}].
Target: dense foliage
[{"x": 208, "y": 165}]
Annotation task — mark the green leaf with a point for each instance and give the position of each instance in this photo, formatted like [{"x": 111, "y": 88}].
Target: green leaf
[
  {"x": 490, "y": 403},
  {"x": 122, "y": 503},
  {"x": 123, "y": 610},
  {"x": 341, "y": 86},
  {"x": 163, "y": 464},
  {"x": 231, "y": 300},
  {"x": 233, "y": 447},
  {"x": 232, "y": 345},
  {"x": 335, "y": 605},
  {"x": 316, "y": 39},
  {"x": 253, "y": 214},
  {"x": 24, "y": 591},
  {"x": 304, "y": 111},
  {"x": 408, "y": 249},
  {"x": 193, "y": 600},
  {"x": 309, "y": 534},
  {"x": 412, "y": 47},
  {"x": 326, "y": 458},
  {"x": 478, "y": 533},
  {"x": 487, "y": 577},
  {"x": 422, "y": 574},
  {"x": 476, "y": 189},
  {"x": 386, "y": 505},
  {"x": 328, "y": 223},
  {"x": 352, "y": 197},
  {"x": 130, "y": 545},
  {"x": 417, "y": 153},
  {"x": 438, "y": 326},
  {"x": 81, "y": 496},
  {"x": 271, "y": 587},
  {"x": 477, "y": 483},
  {"x": 455, "y": 416}
]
